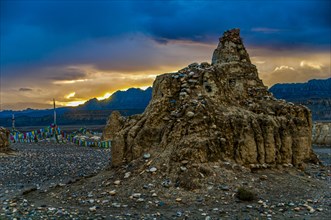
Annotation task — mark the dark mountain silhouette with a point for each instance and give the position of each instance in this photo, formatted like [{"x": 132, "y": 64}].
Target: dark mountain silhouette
[
  {"x": 315, "y": 94},
  {"x": 129, "y": 102},
  {"x": 130, "y": 99}
]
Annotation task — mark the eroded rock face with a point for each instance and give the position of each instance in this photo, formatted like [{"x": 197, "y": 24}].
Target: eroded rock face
[
  {"x": 114, "y": 124},
  {"x": 4, "y": 139},
  {"x": 220, "y": 112},
  {"x": 230, "y": 49},
  {"x": 322, "y": 133}
]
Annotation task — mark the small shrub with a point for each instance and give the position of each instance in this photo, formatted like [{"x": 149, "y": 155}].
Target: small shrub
[{"x": 245, "y": 194}]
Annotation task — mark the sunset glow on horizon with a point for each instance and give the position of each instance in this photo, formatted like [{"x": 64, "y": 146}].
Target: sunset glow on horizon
[{"x": 105, "y": 96}]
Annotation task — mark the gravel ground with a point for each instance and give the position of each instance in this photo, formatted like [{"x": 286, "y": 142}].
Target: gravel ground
[
  {"x": 127, "y": 193},
  {"x": 42, "y": 165},
  {"x": 324, "y": 154}
]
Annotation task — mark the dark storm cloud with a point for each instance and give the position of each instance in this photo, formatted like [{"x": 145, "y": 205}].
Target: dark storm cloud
[
  {"x": 300, "y": 21},
  {"x": 67, "y": 74},
  {"x": 25, "y": 89},
  {"x": 30, "y": 30},
  {"x": 90, "y": 18}
]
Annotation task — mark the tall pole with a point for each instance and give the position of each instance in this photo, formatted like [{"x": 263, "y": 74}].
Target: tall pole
[
  {"x": 55, "y": 127},
  {"x": 13, "y": 122},
  {"x": 54, "y": 111}
]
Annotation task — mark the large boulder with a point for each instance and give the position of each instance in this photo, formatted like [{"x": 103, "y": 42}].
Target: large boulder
[
  {"x": 4, "y": 139},
  {"x": 219, "y": 112}
]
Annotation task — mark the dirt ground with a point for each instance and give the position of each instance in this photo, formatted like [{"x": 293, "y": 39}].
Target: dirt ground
[{"x": 133, "y": 192}]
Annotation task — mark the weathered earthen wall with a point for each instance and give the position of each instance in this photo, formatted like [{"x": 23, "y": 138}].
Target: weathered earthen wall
[{"x": 217, "y": 112}]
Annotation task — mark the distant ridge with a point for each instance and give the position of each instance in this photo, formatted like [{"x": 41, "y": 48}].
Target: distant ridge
[
  {"x": 133, "y": 98},
  {"x": 315, "y": 94},
  {"x": 131, "y": 101},
  {"x": 315, "y": 88}
]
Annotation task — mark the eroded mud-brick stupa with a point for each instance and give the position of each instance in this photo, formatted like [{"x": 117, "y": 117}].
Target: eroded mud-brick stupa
[
  {"x": 214, "y": 112},
  {"x": 4, "y": 140}
]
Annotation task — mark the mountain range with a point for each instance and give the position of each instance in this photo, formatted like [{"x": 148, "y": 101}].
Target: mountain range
[
  {"x": 315, "y": 94},
  {"x": 129, "y": 102}
]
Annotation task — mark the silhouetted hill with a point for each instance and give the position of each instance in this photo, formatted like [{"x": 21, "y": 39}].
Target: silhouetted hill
[
  {"x": 315, "y": 94},
  {"x": 33, "y": 112},
  {"x": 132, "y": 101},
  {"x": 132, "y": 98}
]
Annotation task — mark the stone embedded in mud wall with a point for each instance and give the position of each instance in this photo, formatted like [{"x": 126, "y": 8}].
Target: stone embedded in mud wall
[
  {"x": 209, "y": 113},
  {"x": 4, "y": 139},
  {"x": 230, "y": 49}
]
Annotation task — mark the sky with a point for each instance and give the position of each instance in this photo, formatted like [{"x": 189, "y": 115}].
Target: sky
[{"x": 77, "y": 50}]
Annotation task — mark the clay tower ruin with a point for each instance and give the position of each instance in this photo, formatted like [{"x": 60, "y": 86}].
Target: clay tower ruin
[{"x": 214, "y": 112}]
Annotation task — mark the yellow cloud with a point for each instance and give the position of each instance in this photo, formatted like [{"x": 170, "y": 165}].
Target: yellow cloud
[
  {"x": 70, "y": 81},
  {"x": 74, "y": 103},
  {"x": 70, "y": 95},
  {"x": 311, "y": 64},
  {"x": 278, "y": 68}
]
